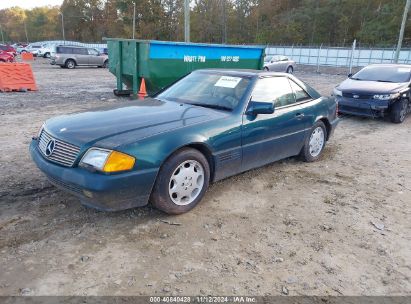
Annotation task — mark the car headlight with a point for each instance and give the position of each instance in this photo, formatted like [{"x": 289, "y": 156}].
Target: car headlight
[
  {"x": 107, "y": 160},
  {"x": 337, "y": 92},
  {"x": 386, "y": 96}
]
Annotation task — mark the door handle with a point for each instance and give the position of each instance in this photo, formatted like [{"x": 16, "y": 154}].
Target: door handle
[{"x": 299, "y": 115}]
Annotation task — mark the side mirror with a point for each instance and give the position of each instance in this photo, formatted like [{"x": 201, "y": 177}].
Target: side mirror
[
  {"x": 256, "y": 107},
  {"x": 349, "y": 75}
]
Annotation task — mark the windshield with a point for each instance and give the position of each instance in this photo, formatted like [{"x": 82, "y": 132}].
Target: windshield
[
  {"x": 268, "y": 58},
  {"x": 384, "y": 74},
  {"x": 210, "y": 90}
]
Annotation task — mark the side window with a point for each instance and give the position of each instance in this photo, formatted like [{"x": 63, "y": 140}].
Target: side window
[
  {"x": 92, "y": 52},
  {"x": 78, "y": 51},
  {"x": 273, "y": 89},
  {"x": 300, "y": 94}
]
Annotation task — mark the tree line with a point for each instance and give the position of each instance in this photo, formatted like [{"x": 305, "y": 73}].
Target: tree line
[{"x": 302, "y": 22}]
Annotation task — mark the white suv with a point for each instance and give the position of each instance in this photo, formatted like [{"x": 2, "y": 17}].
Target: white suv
[{"x": 45, "y": 50}]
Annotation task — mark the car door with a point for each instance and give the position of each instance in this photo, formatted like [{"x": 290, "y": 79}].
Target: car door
[
  {"x": 270, "y": 137},
  {"x": 307, "y": 103},
  {"x": 94, "y": 57},
  {"x": 80, "y": 55},
  {"x": 275, "y": 64},
  {"x": 283, "y": 64}
]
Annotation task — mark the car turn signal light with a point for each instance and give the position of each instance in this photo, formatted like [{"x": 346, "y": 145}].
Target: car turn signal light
[{"x": 118, "y": 161}]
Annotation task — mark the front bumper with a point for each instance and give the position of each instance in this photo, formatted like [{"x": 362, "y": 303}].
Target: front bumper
[
  {"x": 104, "y": 192},
  {"x": 363, "y": 107}
]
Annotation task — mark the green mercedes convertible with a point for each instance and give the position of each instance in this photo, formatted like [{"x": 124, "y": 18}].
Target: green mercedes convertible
[{"x": 166, "y": 149}]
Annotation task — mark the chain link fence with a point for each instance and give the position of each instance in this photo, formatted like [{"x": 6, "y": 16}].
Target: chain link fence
[
  {"x": 99, "y": 46},
  {"x": 339, "y": 56}
]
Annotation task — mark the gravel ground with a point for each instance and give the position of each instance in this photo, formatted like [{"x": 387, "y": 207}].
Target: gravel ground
[{"x": 340, "y": 226}]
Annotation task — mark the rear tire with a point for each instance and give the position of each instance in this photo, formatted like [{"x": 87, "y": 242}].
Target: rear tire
[
  {"x": 266, "y": 69},
  {"x": 70, "y": 64},
  {"x": 181, "y": 182},
  {"x": 46, "y": 55},
  {"x": 314, "y": 143},
  {"x": 399, "y": 111},
  {"x": 105, "y": 65}
]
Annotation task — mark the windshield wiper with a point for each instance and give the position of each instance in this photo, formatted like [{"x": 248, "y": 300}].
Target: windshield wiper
[
  {"x": 211, "y": 106},
  {"x": 384, "y": 81}
]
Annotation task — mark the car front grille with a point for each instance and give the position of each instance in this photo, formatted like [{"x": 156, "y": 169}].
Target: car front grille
[
  {"x": 64, "y": 154},
  {"x": 357, "y": 96}
]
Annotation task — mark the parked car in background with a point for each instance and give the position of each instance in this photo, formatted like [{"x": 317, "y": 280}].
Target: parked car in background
[
  {"x": 8, "y": 49},
  {"x": 45, "y": 50},
  {"x": 6, "y": 57},
  {"x": 210, "y": 125},
  {"x": 31, "y": 48},
  {"x": 377, "y": 90},
  {"x": 71, "y": 56},
  {"x": 18, "y": 46},
  {"x": 279, "y": 63}
]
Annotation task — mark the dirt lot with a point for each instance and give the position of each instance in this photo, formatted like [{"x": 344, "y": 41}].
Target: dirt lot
[{"x": 303, "y": 228}]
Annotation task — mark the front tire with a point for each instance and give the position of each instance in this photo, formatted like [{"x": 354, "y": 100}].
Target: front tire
[
  {"x": 46, "y": 55},
  {"x": 181, "y": 182},
  {"x": 399, "y": 111},
  {"x": 290, "y": 70},
  {"x": 314, "y": 143},
  {"x": 266, "y": 69}
]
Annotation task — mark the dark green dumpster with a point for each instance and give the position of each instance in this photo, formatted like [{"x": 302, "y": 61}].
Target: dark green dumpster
[{"x": 161, "y": 63}]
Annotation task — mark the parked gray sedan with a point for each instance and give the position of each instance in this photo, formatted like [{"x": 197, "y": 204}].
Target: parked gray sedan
[
  {"x": 279, "y": 63},
  {"x": 72, "y": 56}
]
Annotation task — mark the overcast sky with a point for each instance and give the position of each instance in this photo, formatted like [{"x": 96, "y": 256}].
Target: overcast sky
[{"x": 28, "y": 3}]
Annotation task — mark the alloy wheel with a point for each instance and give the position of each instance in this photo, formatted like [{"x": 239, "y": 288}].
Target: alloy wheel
[
  {"x": 186, "y": 182},
  {"x": 316, "y": 142}
]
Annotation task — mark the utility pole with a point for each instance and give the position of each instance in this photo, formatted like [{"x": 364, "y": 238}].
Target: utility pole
[
  {"x": 1, "y": 31},
  {"x": 187, "y": 20},
  {"x": 224, "y": 22},
  {"x": 354, "y": 44},
  {"x": 62, "y": 26},
  {"x": 134, "y": 19},
  {"x": 25, "y": 31},
  {"x": 401, "y": 36}
]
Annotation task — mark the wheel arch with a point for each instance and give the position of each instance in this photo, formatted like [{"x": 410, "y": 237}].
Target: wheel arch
[
  {"x": 327, "y": 124},
  {"x": 201, "y": 147},
  {"x": 67, "y": 59}
]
